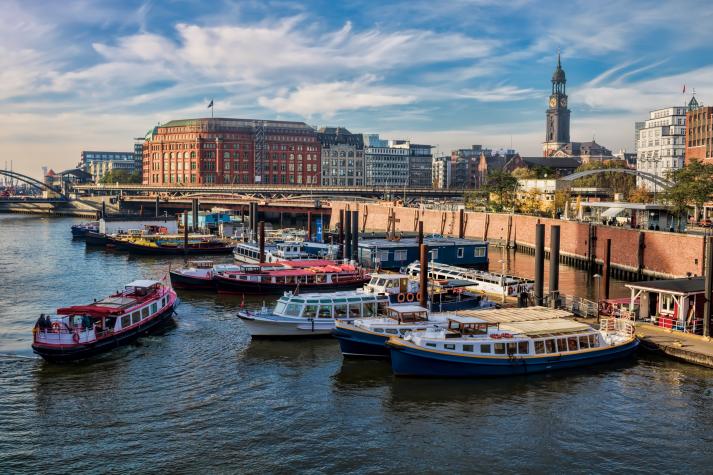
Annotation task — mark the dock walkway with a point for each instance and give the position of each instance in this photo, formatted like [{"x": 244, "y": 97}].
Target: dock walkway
[{"x": 693, "y": 349}]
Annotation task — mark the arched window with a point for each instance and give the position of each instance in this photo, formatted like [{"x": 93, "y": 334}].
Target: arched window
[{"x": 165, "y": 154}]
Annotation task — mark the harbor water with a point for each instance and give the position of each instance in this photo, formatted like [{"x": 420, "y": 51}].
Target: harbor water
[{"x": 200, "y": 397}]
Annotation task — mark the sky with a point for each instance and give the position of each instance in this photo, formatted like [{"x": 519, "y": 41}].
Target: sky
[{"x": 93, "y": 75}]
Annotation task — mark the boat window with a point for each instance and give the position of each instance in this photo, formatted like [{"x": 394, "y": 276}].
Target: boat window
[
  {"x": 584, "y": 342},
  {"x": 135, "y": 317},
  {"x": 310, "y": 311},
  {"x": 499, "y": 348},
  {"x": 383, "y": 256},
  {"x": 163, "y": 302},
  {"x": 523, "y": 347},
  {"x": 572, "y": 343},
  {"x": 382, "y": 307},
  {"x": 480, "y": 252},
  {"x": 154, "y": 307},
  {"x": 593, "y": 341},
  {"x": 145, "y": 312},
  {"x": 325, "y": 311},
  {"x": 392, "y": 331},
  {"x": 460, "y": 253},
  {"x": 400, "y": 255},
  {"x": 280, "y": 308},
  {"x": 449, "y": 346},
  {"x": 432, "y": 345},
  {"x": 340, "y": 311},
  {"x": 539, "y": 347},
  {"x": 293, "y": 310},
  {"x": 369, "y": 309},
  {"x": 550, "y": 346},
  {"x": 434, "y": 254},
  {"x": 125, "y": 321},
  {"x": 468, "y": 348},
  {"x": 512, "y": 348},
  {"x": 485, "y": 348},
  {"x": 379, "y": 330},
  {"x": 373, "y": 281},
  {"x": 561, "y": 344},
  {"x": 354, "y": 310}
]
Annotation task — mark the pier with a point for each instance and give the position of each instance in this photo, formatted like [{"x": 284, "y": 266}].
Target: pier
[{"x": 694, "y": 349}]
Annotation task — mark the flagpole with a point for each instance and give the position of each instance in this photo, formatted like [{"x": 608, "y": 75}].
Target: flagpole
[{"x": 212, "y": 109}]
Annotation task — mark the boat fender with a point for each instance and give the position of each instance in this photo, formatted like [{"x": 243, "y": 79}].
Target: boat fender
[
  {"x": 401, "y": 297},
  {"x": 409, "y": 297},
  {"x": 418, "y": 296},
  {"x": 75, "y": 337}
]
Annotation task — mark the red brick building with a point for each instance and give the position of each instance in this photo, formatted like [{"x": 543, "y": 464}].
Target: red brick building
[
  {"x": 231, "y": 151},
  {"x": 699, "y": 134}
]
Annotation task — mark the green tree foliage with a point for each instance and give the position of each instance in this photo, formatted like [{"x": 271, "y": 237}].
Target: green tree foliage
[
  {"x": 617, "y": 182},
  {"x": 120, "y": 176},
  {"x": 693, "y": 186},
  {"x": 641, "y": 195},
  {"x": 504, "y": 186}
]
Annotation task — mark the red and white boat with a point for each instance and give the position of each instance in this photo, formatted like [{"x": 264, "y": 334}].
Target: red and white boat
[
  {"x": 82, "y": 331},
  {"x": 278, "y": 277}
]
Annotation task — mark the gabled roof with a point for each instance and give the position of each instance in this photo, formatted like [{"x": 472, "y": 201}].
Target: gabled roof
[{"x": 694, "y": 285}]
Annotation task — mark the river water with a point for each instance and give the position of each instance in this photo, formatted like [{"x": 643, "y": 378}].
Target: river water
[{"x": 201, "y": 397}]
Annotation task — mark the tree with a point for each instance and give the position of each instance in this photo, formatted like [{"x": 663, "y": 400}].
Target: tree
[
  {"x": 530, "y": 203},
  {"x": 693, "y": 186},
  {"x": 503, "y": 186},
  {"x": 120, "y": 176},
  {"x": 524, "y": 173},
  {"x": 641, "y": 195}
]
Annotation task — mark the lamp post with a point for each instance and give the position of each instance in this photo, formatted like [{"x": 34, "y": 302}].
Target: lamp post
[{"x": 502, "y": 279}]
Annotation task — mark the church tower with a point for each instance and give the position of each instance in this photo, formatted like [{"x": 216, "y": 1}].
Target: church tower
[{"x": 557, "y": 127}]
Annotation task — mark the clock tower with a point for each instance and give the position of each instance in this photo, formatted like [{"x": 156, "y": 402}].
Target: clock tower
[{"x": 557, "y": 126}]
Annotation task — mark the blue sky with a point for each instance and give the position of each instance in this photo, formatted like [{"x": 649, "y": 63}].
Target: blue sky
[{"x": 80, "y": 75}]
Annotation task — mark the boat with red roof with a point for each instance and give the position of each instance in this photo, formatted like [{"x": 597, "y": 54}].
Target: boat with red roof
[
  {"x": 278, "y": 277},
  {"x": 81, "y": 331}
]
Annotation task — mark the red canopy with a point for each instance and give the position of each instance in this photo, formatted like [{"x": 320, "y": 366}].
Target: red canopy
[{"x": 89, "y": 310}]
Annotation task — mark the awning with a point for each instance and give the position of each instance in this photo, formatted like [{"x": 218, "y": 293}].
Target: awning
[{"x": 612, "y": 212}]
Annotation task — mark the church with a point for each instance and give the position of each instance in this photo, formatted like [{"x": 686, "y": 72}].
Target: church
[{"x": 557, "y": 142}]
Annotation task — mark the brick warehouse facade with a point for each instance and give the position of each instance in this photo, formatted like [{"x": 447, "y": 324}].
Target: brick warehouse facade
[
  {"x": 225, "y": 151},
  {"x": 699, "y": 134}
]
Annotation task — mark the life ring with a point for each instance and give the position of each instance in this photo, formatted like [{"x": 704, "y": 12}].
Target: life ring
[
  {"x": 409, "y": 297},
  {"x": 418, "y": 296},
  {"x": 75, "y": 337},
  {"x": 505, "y": 335},
  {"x": 401, "y": 298},
  {"x": 495, "y": 336},
  {"x": 55, "y": 327}
]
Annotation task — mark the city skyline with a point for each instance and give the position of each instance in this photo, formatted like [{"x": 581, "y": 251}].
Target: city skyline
[{"x": 85, "y": 75}]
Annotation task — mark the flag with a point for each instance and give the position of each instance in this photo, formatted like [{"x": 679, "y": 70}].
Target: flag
[
  {"x": 684, "y": 91},
  {"x": 211, "y": 104}
]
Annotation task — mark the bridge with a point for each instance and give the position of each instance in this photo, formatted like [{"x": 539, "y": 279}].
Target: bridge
[
  {"x": 263, "y": 192},
  {"x": 32, "y": 182},
  {"x": 651, "y": 178}
]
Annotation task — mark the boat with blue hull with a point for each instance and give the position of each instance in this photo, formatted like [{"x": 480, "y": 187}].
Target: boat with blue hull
[
  {"x": 475, "y": 347},
  {"x": 81, "y": 230}
]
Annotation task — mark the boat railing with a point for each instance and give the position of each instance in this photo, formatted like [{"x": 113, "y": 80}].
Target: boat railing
[
  {"x": 64, "y": 335},
  {"x": 621, "y": 326}
]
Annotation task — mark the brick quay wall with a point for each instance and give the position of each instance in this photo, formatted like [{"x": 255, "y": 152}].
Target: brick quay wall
[{"x": 635, "y": 253}]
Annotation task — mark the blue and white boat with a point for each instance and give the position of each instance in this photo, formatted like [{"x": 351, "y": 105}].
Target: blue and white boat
[
  {"x": 312, "y": 314},
  {"x": 472, "y": 346}
]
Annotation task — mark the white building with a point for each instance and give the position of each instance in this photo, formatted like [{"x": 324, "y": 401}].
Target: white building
[
  {"x": 386, "y": 163},
  {"x": 442, "y": 172},
  {"x": 661, "y": 145}
]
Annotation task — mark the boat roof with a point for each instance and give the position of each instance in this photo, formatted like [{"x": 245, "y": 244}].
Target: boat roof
[
  {"x": 557, "y": 326},
  {"x": 391, "y": 276},
  {"x": 308, "y": 263},
  {"x": 413, "y": 242},
  {"x": 142, "y": 283},
  {"x": 407, "y": 309},
  {"x": 315, "y": 297},
  {"x": 508, "y": 315},
  {"x": 454, "y": 283},
  {"x": 693, "y": 285}
]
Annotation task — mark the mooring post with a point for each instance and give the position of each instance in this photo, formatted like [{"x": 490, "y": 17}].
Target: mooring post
[
  {"x": 196, "y": 207},
  {"x": 355, "y": 235},
  {"x": 340, "y": 239},
  {"x": 347, "y": 235},
  {"x": 309, "y": 225},
  {"x": 606, "y": 271},
  {"x": 708, "y": 305},
  {"x": 185, "y": 232},
  {"x": 103, "y": 209},
  {"x": 461, "y": 223},
  {"x": 554, "y": 264},
  {"x": 423, "y": 277},
  {"x": 539, "y": 263},
  {"x": 262, "y": 242},
  {"x": 420, "y": 234},
  {"x": 255, "y": 221},
  {"x": 157, "y": 206}
]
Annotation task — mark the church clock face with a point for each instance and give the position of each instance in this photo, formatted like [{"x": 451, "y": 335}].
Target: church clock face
[
  {"x": 563, "y": 102},
  {"x": 553, "y": 102}
]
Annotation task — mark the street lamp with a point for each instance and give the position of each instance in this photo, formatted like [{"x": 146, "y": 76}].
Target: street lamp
[{"x": 502, "y": 278}]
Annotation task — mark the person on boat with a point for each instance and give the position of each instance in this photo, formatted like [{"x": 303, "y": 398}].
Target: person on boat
[
  {"x": 41, "y": 322},
  {"x": 86, "y": 322}
]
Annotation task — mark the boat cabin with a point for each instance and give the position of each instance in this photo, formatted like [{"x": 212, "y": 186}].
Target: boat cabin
[
  {"x": 388, "y": 254},
  {"x": 407, "y": 313},
  {"x": 200, "y": 264},
  {"x": 339, "y": 305},
  {"x": 391, "y": 284},
  {"x": 676, "y": 304}
]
